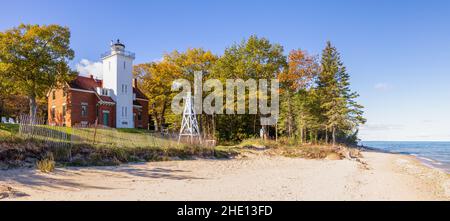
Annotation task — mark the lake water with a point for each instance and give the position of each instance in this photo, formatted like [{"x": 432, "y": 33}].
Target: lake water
[{"x": 436, "y": 154}]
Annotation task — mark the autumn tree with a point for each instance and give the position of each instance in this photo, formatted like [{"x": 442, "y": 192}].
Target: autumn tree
[
  {"x": 189, "y": 62},
  {"x": 254, "y": 58},
  {"x": 34, "y": 58},
  {"x": 295, "y": 79},
  {"x": 155, "y": 81}
]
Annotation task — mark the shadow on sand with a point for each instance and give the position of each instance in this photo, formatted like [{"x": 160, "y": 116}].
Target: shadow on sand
[
  {"x": 139, "y": 170},
  {"x": 71, "y": 178}
]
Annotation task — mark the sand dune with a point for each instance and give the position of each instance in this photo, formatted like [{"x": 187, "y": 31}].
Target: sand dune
[{"x": 256, "y": 177}]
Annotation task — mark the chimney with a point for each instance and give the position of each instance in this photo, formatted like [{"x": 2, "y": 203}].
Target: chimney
[
  {"x": 91, "y": 76},
  {"x": 135, "y": 82}
]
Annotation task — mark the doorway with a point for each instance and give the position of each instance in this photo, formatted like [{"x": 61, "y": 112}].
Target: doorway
[{"x": 106, "y": 118}]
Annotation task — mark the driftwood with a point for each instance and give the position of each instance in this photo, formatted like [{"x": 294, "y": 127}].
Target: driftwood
[{"x": 353, "y": 154}]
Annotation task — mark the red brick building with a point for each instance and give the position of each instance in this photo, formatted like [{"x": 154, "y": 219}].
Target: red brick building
[
  {"x": 84, "y": 101},
  {"x": 114, "y": 101}
]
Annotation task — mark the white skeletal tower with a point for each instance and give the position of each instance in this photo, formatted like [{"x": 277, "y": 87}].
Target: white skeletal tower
[
  {"x": 117, "y": 77},
  {"x": 189, "y": 124}
]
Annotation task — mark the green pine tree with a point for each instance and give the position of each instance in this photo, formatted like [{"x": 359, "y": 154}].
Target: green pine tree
[{"x": 340, "y": 112}]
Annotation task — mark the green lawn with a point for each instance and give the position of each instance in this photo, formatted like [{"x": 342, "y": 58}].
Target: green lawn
[
  {"x": 7, "y": 130},
  {"x": 123, "y": 138},
  {"x": 126, "y": 138}
]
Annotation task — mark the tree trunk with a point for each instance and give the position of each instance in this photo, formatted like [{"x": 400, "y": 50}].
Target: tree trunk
[
  {"x": 162, "y": 118},
  {"x": 161, "y": 123},
  {"x": 33, "y": 108},
  {"x": 1, "y": 106},
  {"x": 254, "y": 124},
  {"x": 200, "y": 126},
  {"x": 213, "y": 126},
  {"x": 334, "y": 136},
  {"x": 289, "y": 115},
  {"x": 206, "y": 131},
  {"x": 276, "y": 132},
  {"x": 301, "y": 134},
  {"x": 326, "y": 135},
  {"x": 155, "y": 122}
]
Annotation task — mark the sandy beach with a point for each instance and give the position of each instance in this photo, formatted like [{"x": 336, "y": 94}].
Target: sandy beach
[{"x": 254, "y": 177}]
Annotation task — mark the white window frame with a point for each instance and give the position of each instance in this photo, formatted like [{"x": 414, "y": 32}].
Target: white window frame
[{"x": 83, "y": 104}]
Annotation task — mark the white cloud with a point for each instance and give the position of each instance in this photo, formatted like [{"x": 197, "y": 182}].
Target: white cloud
[
  {"x": 86, "y": 68},
  {"x": 382, "y": 86},
  {"x": 157, "y": 60}
]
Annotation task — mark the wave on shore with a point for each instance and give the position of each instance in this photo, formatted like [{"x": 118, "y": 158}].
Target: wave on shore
[{"x": 434, "y": 154}]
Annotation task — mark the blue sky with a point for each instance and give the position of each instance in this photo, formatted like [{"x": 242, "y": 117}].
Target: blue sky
[{"x": 397, "y": 52}]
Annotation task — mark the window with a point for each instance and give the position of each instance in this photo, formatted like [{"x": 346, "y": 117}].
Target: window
[
  {"x": 53, "y": 95},
  {"x": 52, "y": 113},
  {"x": 64, "y": 111},
  {"x": 124, "y": 88},
  {"x": 139, "y": 116},
  {"x": 124, "y": 111},
  {"x": 84, "y": 110},
  {"x": 104, "y": 92}
]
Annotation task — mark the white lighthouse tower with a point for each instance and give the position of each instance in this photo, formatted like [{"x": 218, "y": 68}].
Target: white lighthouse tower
[{"x": 117, "y": 76}]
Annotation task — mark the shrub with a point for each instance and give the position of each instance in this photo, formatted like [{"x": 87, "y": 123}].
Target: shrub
[{"x": 47, "y": 164}]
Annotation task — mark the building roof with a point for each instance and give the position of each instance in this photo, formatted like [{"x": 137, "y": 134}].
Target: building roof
[
  {"x": 139, "y": 93},
  {"x": 106, "y": 98},
  {"x": 90, "y": 84},
  {"x": 85, "y": 83}
]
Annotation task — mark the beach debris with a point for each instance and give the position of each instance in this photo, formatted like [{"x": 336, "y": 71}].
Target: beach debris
[
  {"x": 363, "y": 164},
  {"x": 349, "y": 153},
  {"x": 333, "y": 156},
  {"x": 353, "y": 154},
  {"x": 255, "y": 147},
  {"x": 9, "y": 192}
]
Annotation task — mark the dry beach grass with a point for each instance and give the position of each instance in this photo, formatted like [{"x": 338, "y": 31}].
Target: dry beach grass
[{"x": 253, "y": 176}]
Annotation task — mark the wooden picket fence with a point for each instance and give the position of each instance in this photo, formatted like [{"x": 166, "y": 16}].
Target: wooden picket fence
[
  {"x": 57, "y": 138},
  {"x": 61, "y": 139},
  {"x": 105, "y": 136}
]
